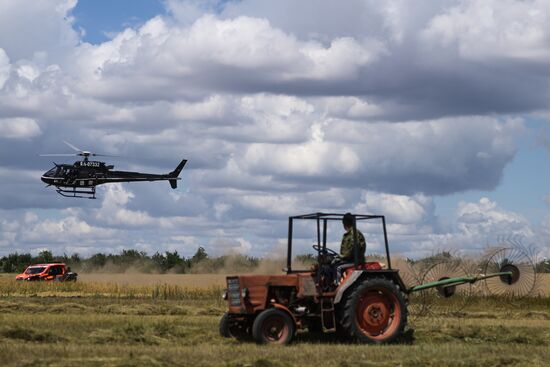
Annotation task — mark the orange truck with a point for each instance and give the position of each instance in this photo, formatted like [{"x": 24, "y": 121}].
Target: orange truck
[{"x": 49, "y": 272}]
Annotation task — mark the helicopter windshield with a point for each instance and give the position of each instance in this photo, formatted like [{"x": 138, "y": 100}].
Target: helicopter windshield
[{"x": 52, "y": 172}]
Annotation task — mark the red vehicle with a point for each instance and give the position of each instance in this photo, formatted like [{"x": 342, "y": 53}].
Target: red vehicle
[
  {"x": 369, "y": 304},
  {"x": 51, "y": 272}
]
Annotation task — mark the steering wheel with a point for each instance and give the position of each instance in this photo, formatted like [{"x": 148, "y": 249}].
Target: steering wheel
[{"x": 327, "y": 250}]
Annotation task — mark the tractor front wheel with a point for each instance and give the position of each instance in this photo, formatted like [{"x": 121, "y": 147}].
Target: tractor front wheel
[
  {"x": 273, "y": 326},
  {"x": 230, "y": 328},
  {"x": 224, "y": 326},
  {"x": 375, "y": 312}
]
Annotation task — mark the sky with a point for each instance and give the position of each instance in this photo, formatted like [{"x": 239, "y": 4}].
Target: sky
[{"x": 434, "y": 114}]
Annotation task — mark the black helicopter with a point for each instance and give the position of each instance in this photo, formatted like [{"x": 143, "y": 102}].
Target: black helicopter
[{"x": 79, "y": 179}]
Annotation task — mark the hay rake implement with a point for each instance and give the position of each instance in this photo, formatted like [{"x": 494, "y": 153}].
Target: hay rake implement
[{"x": 449, "y": 283}]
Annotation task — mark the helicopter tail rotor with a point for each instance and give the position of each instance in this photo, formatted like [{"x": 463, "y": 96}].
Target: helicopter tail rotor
[{"x": 175, "y": 173}]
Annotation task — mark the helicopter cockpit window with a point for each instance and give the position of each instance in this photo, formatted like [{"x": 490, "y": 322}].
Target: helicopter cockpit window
[{"x": 51, "y": 172}]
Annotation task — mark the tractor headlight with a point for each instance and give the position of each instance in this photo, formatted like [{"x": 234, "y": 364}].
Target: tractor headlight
[
  {"x": 224, "y": 294},
  {"x": 244, "y": 293}
]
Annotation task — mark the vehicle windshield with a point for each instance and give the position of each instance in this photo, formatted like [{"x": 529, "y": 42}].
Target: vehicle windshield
[
  {"x": 35, "y": 270},
  {"x": 52, "y": 172}
]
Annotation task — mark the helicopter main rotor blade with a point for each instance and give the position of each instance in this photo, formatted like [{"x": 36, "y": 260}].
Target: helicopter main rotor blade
[
  {"x": 72, "y": 146},
  {"x": 105, "y": 155},
  {"x": 58, "y": 155}
]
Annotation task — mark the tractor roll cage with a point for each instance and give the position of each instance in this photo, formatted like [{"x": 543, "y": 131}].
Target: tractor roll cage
[{"x": 322, "y": 239}]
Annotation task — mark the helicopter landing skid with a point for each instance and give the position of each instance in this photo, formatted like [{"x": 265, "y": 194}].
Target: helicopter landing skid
[{"x": 77, "y": 192}]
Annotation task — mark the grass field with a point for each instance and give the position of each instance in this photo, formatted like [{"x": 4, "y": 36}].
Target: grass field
[
  {"x": 187, "y": 280},
  {"x": 130, "y": 320}
]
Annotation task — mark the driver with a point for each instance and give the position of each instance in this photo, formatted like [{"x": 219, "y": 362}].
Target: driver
[{"x": 347, "y": 253}]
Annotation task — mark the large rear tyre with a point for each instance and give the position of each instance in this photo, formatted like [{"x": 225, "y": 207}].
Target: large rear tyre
[
  {"x": 375, "y": 312},
  {"x": 273, "y": 326}
]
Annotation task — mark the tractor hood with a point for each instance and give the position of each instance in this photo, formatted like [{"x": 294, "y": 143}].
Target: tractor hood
[{"x": 247, "y": 294}]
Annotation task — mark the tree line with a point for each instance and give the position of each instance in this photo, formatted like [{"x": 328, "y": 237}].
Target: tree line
[
  {"x": 167, "y": 262},
  {"x": 131, "y": 260}
]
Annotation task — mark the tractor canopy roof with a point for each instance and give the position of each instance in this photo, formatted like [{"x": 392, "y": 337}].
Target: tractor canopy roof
[{"x": 321, "y": 220}]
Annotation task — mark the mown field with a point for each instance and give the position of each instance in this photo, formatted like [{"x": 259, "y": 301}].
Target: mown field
[{"x": 127, "y": 320}]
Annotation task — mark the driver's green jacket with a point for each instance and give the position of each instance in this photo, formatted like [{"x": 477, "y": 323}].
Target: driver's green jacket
[{"x": 346, "y": 248}]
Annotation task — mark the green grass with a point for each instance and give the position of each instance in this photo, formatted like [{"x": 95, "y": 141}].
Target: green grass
[{"x": 101, "y": 325}]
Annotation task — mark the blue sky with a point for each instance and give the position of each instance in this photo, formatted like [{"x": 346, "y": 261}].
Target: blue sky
[
  {"x": 525, "y": 181},
  {"x": 435, "y": 115},
  {"x": 102, "y": 18}
]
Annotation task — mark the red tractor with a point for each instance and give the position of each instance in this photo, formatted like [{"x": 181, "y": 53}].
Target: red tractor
[{"x": 368, "y": 304}]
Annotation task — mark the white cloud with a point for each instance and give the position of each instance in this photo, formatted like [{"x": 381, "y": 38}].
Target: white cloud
[
  {"x": 5, "y": 67},
  {"x": 309, "y": 159},
  {"x": 113, "y": 211},
  {"x": 428, "y": 156},
  {"x": 399, "y": 209},
  {"x": 51, "y": 31},
  {"x": 350, "y": 108},
  {"x": 65, "y": 230},
  {"x": 19, "y": 128},
  {"x": 493, "y": 30},
  {"x": 486, "y": 218},
  {"x": 213, "y": 52}
]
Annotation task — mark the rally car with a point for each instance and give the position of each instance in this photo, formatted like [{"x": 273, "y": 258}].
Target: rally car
[{"x": 50, "y": 272}]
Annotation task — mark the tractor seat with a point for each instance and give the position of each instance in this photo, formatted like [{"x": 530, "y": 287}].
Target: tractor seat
[{"x": 371, "y": 265}]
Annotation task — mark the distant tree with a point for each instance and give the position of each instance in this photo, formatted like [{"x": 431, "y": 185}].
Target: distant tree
[
  {"x": 159, "y": 260},
  {"x": 132, "y": 255},
  {"x": 44, "y": 257},
  {"x": 168, "y": 261},
  {"x": 97, "y": 260},
  {"x": 200, "y": 262},
  {"x": 440, "y": 256},
  {"x": 199, "y": 256},
  {"x": 16, "y": 263},
  {"x": 173, "y": 260},
  {"x": 75, "y": 259},
  {"x": 61, "y": 259}
]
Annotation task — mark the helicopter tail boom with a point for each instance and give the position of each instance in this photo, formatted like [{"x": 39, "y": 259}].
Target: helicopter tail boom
[{"x": 175, "y": 173}]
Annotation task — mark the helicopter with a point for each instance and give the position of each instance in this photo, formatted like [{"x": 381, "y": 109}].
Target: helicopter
[{"x": 79, "y": 180}]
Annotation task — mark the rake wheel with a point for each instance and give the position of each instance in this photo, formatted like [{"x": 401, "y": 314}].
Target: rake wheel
[
  {"x": 515, "y": 258},
  {"x": 448, "y": 300}
]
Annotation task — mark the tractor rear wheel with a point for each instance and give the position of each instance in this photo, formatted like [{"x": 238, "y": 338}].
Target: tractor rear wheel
[
  {"x": 375, "y": 312},
  {"x": 273, "y": 326}
]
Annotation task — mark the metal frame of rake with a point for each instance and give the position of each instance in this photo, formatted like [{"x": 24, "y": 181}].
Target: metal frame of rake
[{"x": 448, "y": 283}]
